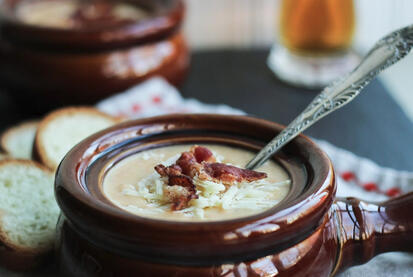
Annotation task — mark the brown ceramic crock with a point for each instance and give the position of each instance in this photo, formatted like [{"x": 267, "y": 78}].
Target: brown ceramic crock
[
  {"x": 309, "y": 233},
  {"x": 82, "y": 65}
]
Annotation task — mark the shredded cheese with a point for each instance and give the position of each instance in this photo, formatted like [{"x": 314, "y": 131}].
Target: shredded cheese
[{"x": 245, "y": 195}]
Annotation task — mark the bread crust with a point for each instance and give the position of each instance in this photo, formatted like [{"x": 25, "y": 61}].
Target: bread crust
[
  {"x": 27, "y": 163},
  {"x": 39, "y": 151},
  {"x": 4, "y": 137},
  {"x": 17, "y": 257}
]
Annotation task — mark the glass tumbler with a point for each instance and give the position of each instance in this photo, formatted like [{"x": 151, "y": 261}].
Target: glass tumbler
[{"x": 314, "y": 42}]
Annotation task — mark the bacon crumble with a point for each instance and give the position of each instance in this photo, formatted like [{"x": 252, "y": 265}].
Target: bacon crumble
[
  {"x": 229, "y": 174},
  {"x": 200, "y": 162}
]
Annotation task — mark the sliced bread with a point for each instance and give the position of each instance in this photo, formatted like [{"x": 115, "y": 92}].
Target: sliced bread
[
  {"x": 62, "y": 129},
  {"x": 17, "y": 141},
  {"x": 28, "y": 213}
]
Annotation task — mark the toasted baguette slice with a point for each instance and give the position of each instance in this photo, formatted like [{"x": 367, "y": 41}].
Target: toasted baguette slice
[
  {"x": 17, "y": 141},
  {"x": 62, "y": 129},
  {"x": 28, "y": 214}
]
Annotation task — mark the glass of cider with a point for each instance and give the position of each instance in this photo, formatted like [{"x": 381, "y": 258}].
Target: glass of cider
[{"x": 314, "y": 42}]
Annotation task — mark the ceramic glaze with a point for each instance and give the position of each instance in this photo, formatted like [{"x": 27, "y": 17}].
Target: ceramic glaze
[
  {"x": 72, "y": 55},
  {"x": 308, "y": 233},
  {"x": 69, "y": 14},
  {"x": 123, "y": 183}
]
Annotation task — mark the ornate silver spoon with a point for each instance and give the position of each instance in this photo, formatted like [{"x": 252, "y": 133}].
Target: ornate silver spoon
[{"x": 385, "y": 53}]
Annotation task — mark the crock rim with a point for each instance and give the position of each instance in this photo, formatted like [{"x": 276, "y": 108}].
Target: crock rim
[
  {"x": 297, "y": 220},
  {"x": 161, "y": 24}
]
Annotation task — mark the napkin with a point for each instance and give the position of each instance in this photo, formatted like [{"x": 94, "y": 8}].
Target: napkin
[{"x": 357, "y": 176}]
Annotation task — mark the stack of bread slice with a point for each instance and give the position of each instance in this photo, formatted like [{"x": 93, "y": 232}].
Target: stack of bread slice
[
  {"x": 59, "y": 131},
  {"x": 17, "y": 141},
  {"x": 30, "y": 154},
  {"x": 28, "y": 213}
]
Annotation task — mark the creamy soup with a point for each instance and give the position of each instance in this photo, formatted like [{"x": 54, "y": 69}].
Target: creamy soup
[
  {"x": 135, "y": 186},
  {"x": 75, "y": 14}
]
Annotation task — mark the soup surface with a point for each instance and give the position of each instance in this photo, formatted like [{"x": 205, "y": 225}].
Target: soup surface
[
  {"x": 135, "y": 186},
  {"x": 69, "y": 14}
]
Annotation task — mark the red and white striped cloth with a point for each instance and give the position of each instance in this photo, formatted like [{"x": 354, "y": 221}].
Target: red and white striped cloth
[{"x": 357, "y": 176}]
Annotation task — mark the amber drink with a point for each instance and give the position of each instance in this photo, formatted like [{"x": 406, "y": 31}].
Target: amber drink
[{"x": 314, "y": 41}]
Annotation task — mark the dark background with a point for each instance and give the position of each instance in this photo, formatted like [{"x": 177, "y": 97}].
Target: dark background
[{"x": 373, "y": 125}]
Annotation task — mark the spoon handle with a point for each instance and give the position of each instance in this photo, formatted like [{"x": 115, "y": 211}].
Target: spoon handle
[{"x": 385, "y": 53}]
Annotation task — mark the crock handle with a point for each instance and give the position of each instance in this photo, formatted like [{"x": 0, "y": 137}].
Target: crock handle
[{"x": 368, "y": 229}]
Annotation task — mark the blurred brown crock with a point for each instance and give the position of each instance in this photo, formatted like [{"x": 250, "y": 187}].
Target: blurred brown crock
[
  {"x": 309, "y": 233},
  {"x": 48, "y": 66}
]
